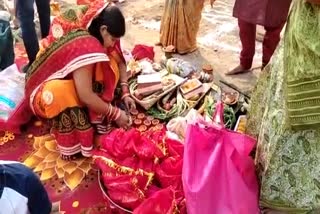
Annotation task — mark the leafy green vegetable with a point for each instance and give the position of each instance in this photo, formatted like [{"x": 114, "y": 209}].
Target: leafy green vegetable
[{"x": 229, "y": 116}]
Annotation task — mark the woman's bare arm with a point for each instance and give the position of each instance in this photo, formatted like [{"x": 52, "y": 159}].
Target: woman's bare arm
[
  {"x": 123, "y": 71},
  {"x": 83, "y": 82}
]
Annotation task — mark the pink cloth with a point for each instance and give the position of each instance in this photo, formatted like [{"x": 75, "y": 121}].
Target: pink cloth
[{"x": 269, "y": 13}]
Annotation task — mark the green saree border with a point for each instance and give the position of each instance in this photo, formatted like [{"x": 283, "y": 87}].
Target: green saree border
[{"x": 279, "y": 207}]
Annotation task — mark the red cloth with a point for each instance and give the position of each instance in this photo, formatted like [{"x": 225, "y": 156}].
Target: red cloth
[
  {"x": 162, "y": 202},
  {"x": 247, "y": 34},
  {"x": 124, "y": 155},
  {"x": 142, "y": 51},
  {"x": 270, "y": 13}
]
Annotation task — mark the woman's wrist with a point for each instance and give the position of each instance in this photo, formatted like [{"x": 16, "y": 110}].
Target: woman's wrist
[
  {"x": 125, "y": 88},
  {"x": 112, "y": 113},
  {"x": 125, "y": 96}
]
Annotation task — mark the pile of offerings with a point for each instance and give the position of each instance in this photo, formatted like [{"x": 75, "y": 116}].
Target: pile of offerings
[
  {"x": 172, "y": 88},
  {"x": 142, "y": 166}
]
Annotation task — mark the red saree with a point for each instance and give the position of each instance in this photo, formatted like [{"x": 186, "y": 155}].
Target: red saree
[{"x": 49, "y": 84}]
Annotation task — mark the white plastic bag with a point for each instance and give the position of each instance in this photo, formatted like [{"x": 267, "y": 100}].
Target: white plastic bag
[
  {"x": 180, "y": 67},
  {"x": 179, "y": 125},
  {"x": 12, "y": 84}
]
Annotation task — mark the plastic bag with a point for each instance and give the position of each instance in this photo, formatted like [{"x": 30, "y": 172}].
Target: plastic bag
[
  {"x": 179, "y": 125},
  {"x": 146, "y": 67},
  {"x": 12, "y": 84},
  {"x": 218, "y": 174},
  {"x": 180, "y": 67},
  {"x": 14, "y": 107}
]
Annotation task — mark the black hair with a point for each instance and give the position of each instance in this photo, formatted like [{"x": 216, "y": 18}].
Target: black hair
[{"x": 111, "y": 17}]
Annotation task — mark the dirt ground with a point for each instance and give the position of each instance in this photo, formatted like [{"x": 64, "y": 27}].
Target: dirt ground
[{"x": 218, "y": 39}]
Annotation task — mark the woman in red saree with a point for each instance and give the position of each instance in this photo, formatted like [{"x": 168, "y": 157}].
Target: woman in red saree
[{"x": 73, "y": 80}]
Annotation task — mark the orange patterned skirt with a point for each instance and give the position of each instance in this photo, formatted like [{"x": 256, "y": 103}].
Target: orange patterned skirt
[{"x": 57, "y": 101}]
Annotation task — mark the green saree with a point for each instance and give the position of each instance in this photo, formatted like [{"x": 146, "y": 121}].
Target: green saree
[{"x": 288, "y": 160}]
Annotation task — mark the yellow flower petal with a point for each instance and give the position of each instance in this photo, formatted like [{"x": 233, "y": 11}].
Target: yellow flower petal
[
  {"x": 36, "y": 143},
  {"x": 85, "y": 167},
  {"x": 51, "y": 145},
  {"x": 46, "y": 138},
  {"x": 52, "y": 156},
  {"x": 51, "y": 164},
  {"x": 61, "y": 163},
  {"x": 47, "y": 174},
  {"x": 40, "y": 141},
  {"x": 70, "y": 167},
  {"x": 79, "y": 161},
  {"x": 74, "y": 179},
  {"x": 40, "y": 167},
  {"x": 60, "y": 172},
  {"x": 89, "y": 160},
  {"x": 42, "y": 152},
  {"x": 32, "y": 161}
]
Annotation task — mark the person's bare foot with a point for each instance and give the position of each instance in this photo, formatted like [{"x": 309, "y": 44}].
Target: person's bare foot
[{"x": 238, "y": 70}]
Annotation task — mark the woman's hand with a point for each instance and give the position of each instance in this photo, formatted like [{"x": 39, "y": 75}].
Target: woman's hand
[
  {"x": 130, "y": 103},
  {"x": 123, "y": 121},
  {"x": 317, "y": 2}
]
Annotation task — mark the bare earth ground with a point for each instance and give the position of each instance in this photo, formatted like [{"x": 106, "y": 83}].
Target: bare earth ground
[{"x": 218, "y": 39}]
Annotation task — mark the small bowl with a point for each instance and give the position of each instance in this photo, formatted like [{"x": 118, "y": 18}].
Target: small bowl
[
  {"x": 230, "y": 98},
  {"x": 207, "y": 68}
]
